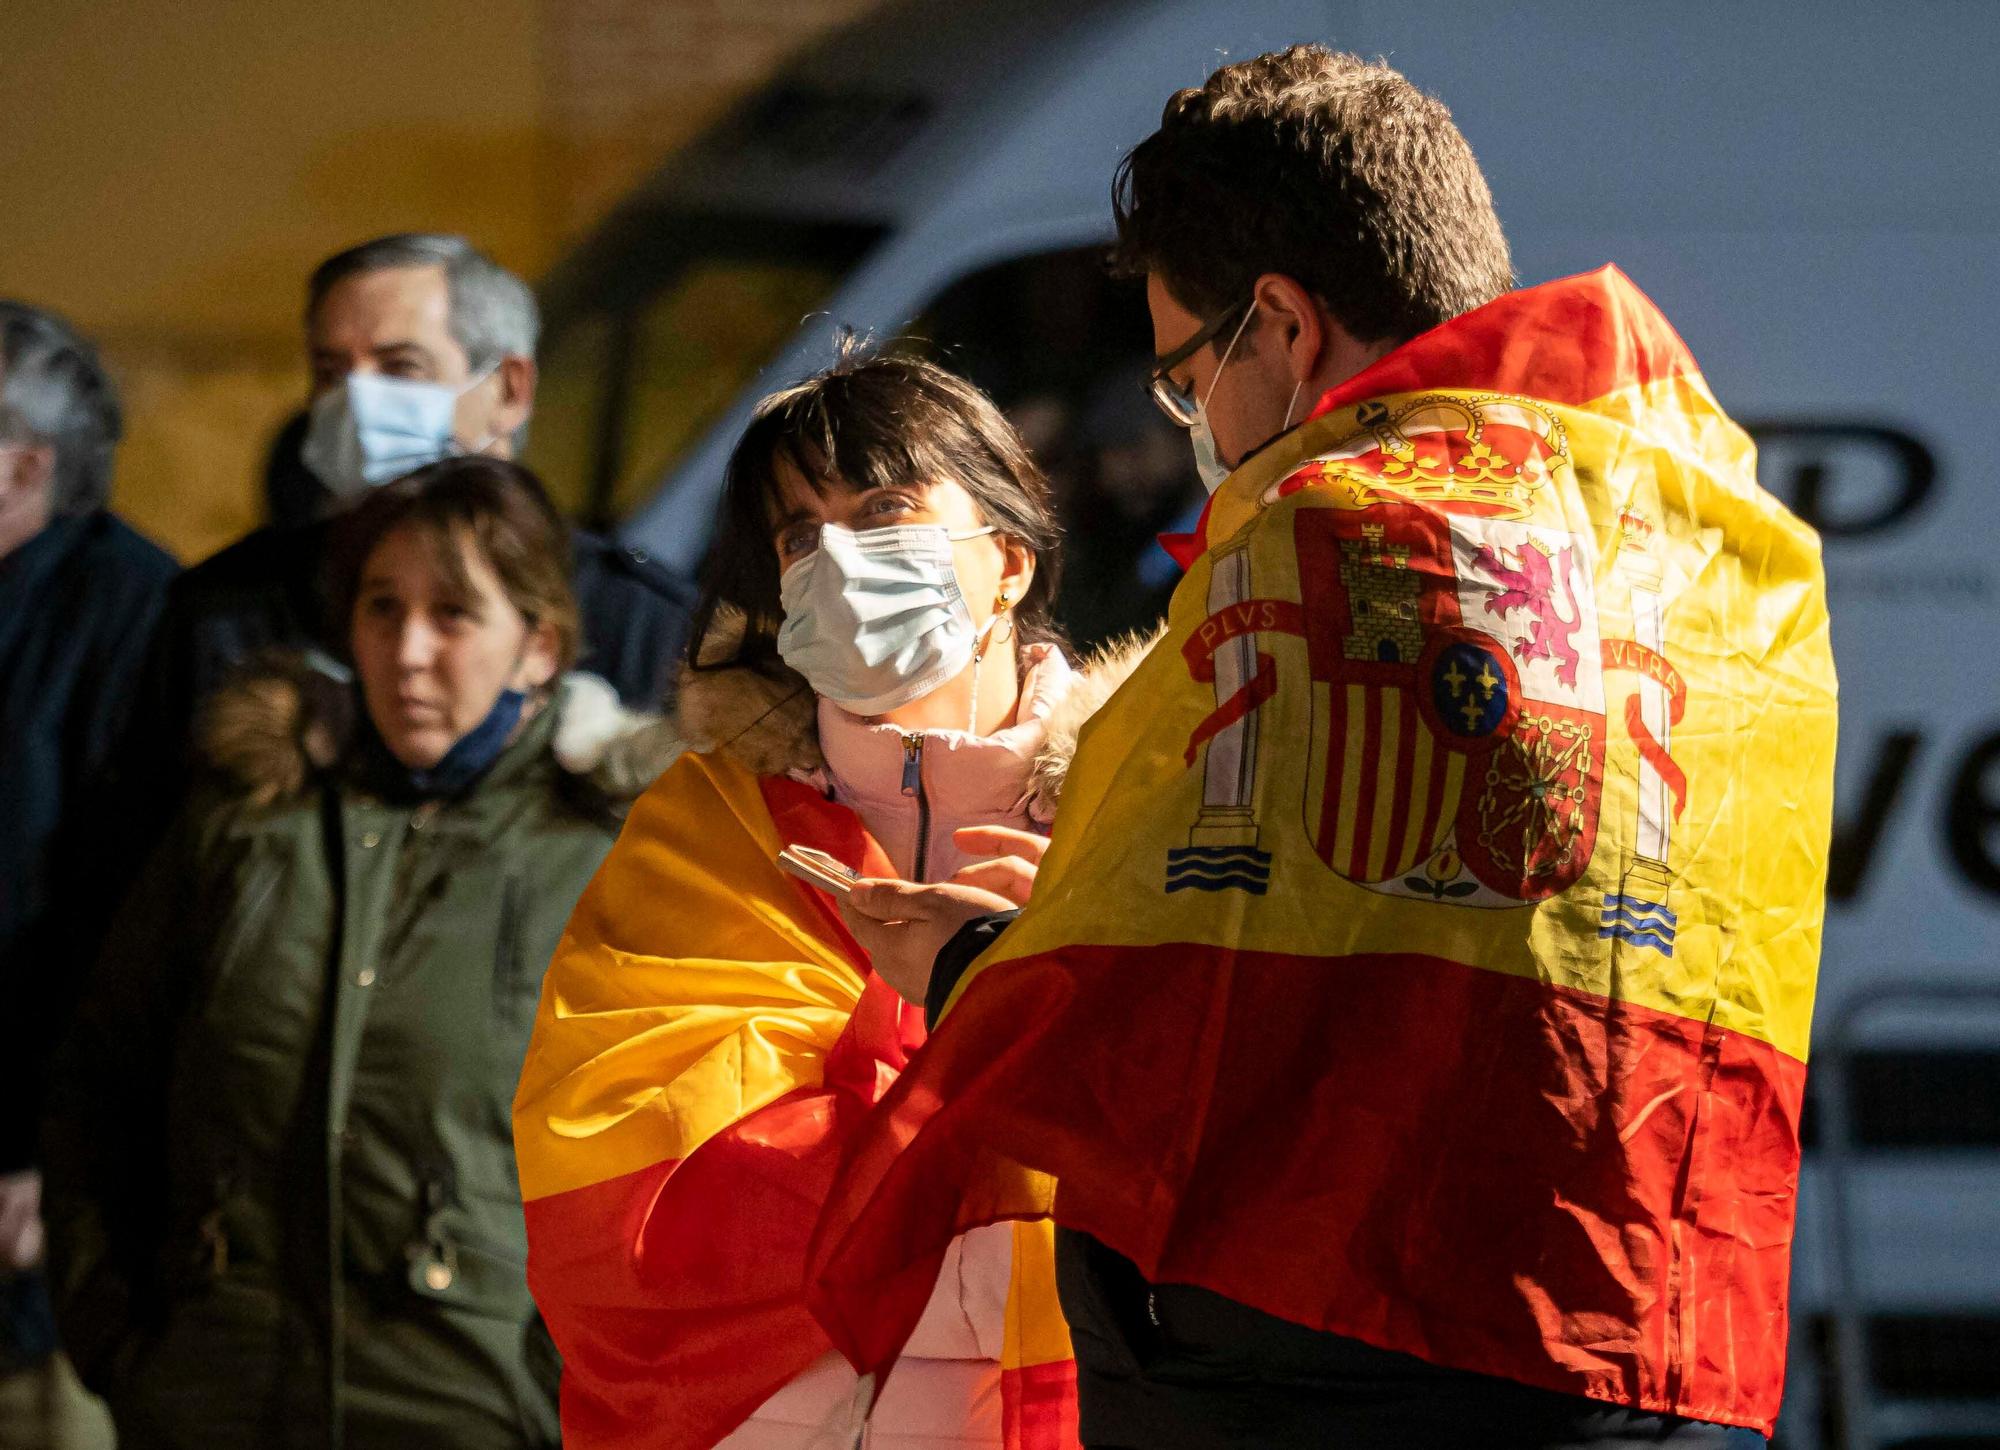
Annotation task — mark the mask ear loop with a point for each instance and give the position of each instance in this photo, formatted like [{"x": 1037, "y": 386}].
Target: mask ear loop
[
  {"x": 491, "y": 438},
  {"x": 1234, "y": 337}
]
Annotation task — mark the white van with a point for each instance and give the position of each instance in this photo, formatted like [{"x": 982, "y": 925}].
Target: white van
[{"x": 1812, "y": 194}]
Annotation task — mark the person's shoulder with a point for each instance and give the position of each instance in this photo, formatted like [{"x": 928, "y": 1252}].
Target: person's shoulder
[
  {"x": 606, "y": 564},
  {"x": 251, "y": 576},
  {"x": 275, "y": 732},
  {"x": 266, "y": 556},
  {"x": 115, "y": 580},
  {"x": 138, "y": 559},
  {"x": 607, "y": 753}
]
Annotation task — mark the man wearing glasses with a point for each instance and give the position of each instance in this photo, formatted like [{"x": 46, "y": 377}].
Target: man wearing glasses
[{"x": 1407, "y": 1031}]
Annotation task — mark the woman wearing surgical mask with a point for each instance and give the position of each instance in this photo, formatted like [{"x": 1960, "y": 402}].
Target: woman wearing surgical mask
[
  {"x": 875, "y": 676},
  {"x": 281, "y": 1179}
]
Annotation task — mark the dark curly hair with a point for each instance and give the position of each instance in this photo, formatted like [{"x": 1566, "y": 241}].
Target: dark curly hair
[{"x": 1329, "y": 169}]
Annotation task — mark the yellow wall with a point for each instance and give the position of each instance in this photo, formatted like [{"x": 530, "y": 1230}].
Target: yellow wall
[{"x": 171, "y": 169}]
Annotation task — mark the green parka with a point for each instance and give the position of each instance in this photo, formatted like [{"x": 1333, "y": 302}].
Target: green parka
[{"x": 282, "y": 1189}]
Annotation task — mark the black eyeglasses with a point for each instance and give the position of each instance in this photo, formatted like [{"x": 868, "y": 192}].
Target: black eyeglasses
[{"x": 1176, "y": 402}]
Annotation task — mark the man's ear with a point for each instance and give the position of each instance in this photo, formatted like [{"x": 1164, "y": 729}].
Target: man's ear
[
  {"x": 1302, "y": 325},
  {"x": 518, "y": 379},
  {"x": 26, "y": 468}
]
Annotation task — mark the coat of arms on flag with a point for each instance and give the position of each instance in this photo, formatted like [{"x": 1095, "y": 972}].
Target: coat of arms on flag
[
  {"x": 1458, "y": 735},
  {"x": 1458, "y": 703}
]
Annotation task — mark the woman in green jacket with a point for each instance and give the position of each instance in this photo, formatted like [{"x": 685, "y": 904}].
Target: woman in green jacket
[{"x": 282, "y": 1178}]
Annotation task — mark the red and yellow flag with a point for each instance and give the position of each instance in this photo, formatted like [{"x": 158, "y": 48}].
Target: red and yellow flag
[
  {"x": 709, "y": 1041},
  {"x": 1426, "y": 948}
]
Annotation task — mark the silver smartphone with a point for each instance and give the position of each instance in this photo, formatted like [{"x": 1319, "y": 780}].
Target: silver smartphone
[{"x": 818, "y": 869}]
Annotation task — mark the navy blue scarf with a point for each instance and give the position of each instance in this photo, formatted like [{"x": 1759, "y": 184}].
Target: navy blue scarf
[{"x": 462, "y": 766}]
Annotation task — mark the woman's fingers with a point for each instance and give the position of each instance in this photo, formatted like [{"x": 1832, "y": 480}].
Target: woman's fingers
[
  {"x": 1012, "y": 859},
  {"x": 1000, "y": 841},
  {"x": 873, "y": 934},
  {"x": 885, "y": 900},
  {"x": 903, "y": 926},
  {"x": 1007, "y": 876}
]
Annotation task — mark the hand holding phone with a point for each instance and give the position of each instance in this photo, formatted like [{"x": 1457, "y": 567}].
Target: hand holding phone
[{"x": 816, "y": 868}]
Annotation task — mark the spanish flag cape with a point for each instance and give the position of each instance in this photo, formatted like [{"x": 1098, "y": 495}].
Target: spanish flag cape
[
  {"x": 1426, "y": 946},
  {"x": 709, "y": 1039}
]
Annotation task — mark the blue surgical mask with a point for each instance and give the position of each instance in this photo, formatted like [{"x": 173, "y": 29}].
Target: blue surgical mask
[
  {"x": 874, "y": 619},
  {"x": 1207, "y": 462},
  {"x": 372, "y": 429}
]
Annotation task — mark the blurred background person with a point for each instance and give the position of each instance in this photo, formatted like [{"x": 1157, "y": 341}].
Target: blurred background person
[
  {"x": 419, "y": 347},
  {"x": 284, "y": 1208},
  {"x": 293, "y": 494},
  {"x": 78, "y": 594},
  {"x": 878, "y": 676}
]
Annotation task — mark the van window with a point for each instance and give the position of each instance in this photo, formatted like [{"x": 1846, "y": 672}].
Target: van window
[
  {"x": 654, "y": 329},
  {"x": 694, "y": 345},
  {"x": 569, "y": 409},
  {"x": 1067, "y": 352}
]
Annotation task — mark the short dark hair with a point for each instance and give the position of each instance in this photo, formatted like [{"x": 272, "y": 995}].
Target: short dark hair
[
  {"x": 1329, "y": 169},
  {"x": 491, "y": 312},
  {"x": 876, "y": 418},
  {"x": 54, "y": 391},
  {"x": 499, "y": 507}
]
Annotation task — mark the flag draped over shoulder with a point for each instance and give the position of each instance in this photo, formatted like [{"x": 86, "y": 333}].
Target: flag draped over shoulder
[
  {"x": 680, "y": 1118},
  {"x": 1426, "y": 949}
]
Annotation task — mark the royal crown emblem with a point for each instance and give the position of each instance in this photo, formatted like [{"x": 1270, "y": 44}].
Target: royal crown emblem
[{"x": 1486, "y": 453}]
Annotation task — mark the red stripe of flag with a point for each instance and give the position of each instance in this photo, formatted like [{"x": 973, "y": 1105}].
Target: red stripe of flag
[
  {"x": 657, "y": 1358},
  {"x": 1337, "y": 726},
  {"x": 1483, "y": 1170},
  {"x": 1039, "y": 1406},
  {"x": 1364, "y": 786},
  {"x": 1570, "y": 341},
  {"x": 1408, "y": 725}
]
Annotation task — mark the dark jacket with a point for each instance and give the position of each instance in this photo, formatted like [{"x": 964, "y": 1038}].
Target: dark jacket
[
  {"x": 283, "y": 1201},
  {"x": 77, "y": 603}
]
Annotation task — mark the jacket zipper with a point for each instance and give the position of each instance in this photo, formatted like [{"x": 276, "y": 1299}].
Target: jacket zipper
[{"x": 913, "y": 785}]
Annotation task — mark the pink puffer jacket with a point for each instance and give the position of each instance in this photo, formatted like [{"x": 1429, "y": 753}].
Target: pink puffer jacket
[
  {"x": 945, "y": 1392},
  {"x": 912, "y": 790}
]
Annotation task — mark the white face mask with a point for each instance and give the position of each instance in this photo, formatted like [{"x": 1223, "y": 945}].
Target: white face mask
[
  {"x": 1207, "y": 462},
  {"x": 372, "y": 429},
  {"x": 874, "y": 619}
]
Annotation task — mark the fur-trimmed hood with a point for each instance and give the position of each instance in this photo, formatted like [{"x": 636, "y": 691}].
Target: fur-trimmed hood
[
  {"x": 271, "y": 731},
  {"x": 768, "y": 718}
]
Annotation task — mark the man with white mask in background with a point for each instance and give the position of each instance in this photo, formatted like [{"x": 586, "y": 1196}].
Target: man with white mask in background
[{"x": 419, "y": 347}]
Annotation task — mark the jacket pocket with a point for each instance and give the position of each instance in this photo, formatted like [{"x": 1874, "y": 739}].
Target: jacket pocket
[
  {"x": 201, "y": 1247},
  {"x": 455, "y": 1278}
]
